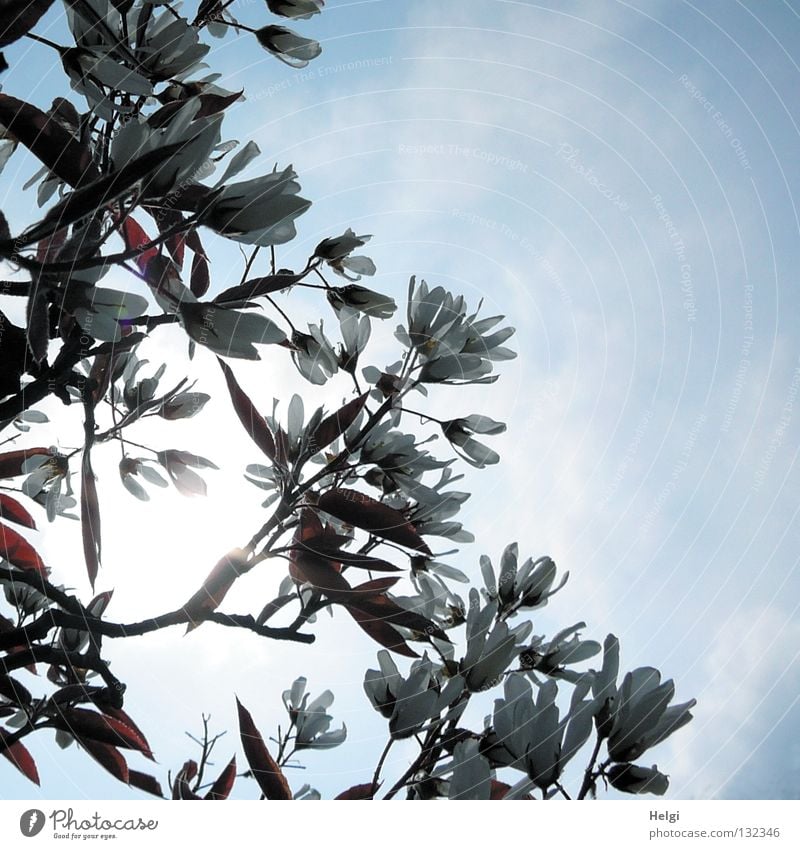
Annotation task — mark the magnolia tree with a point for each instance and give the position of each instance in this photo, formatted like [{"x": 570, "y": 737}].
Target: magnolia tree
[{"x": 354, "y": 504}]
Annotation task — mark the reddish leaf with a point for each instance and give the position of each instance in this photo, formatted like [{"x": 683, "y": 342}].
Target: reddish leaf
[
  {"x": 11, "y": 462},
  {"x": 46, "y": 139},
  {"x": 220, "y": 579},
  {"x": 199, "y": 277},
  {"x": 382, "y": 632},
  {"x": 336, "y": 424},
  {"x": 135, "y": 237},
  {"x": 12, "y": 690},
  {"x": 18, "y": 551},
  {"x": 252, "y": 421},
  {"x": 89, "y": 725},
  {"x": 382, "y": 607},
  {"x": 379, "y": 585},
  {"x": 19, "y": 17},
  {"x": 180, "y": 786},
  {"x": 90, "y": 518},
  {"x": 21, "y": 758},
  {"x": 363, "y": 511},
  {"x": 121, "y": 716},
  {"x": 359, "y": 791},
  {"x": 222, "y": 787},
  {"x": 210, "y": 104},
  {"x": 265, "y": 770},
  {"x": 256, "y": 287},
  {"x": 143, "y": 781},
  {"x": 353, "y": 558},
  {"x": 12, "y": 511},
  {"x": 108, "y": 757}
]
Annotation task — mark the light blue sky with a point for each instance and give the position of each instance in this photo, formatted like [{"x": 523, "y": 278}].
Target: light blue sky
[{"x": 620, "y": 179}]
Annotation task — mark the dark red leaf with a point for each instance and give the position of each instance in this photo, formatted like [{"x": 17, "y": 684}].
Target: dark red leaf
[
  {"x": 21, "y": 758},
  {"x": 143, "y": 781},
  {"x": 18, "y": 551},
  {"x": 359, "y": 791},
  {"x": 135, "y": 237},
  {"x": 108, "y": 757},
  {"x": 336, "y": 424},
  {"x": 358, "y": 509},
  {"x": 265, "y": 770},
  {"x": 121, "y": 716},
  {"x": 11, "y": 462},
  {"x": 90, "y": 518},
  {"x": 12, "y": 511},
  {"x": 252, "y": 421},
  {"x": 12, "y": 690},
  {"x": 199, "y": 278},
  {"x": 379, "y": 585},
  {"x": 250, "y": 289},
  {"x": 46, "y": 139},
  {"x": 220, "y": 579},
  {"x": 88, "y": 725},
  {"x": 381, "y": 631},
  {"x": 222, "y": 787},
  {"x": 352, "y": 558},
  {"x": 382, "y": 607},
  {"x": 180, "y": 786},
  {"x": 19, "y": 17}
]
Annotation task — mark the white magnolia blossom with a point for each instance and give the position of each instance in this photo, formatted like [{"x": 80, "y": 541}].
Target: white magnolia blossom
[
  {"x": 454, "y": 347},
  {"x": 642, "y": 717},
  {"x": 260, "y": 211},
  {"x": 472, "y": 775},
  {"x": 632, "y": 778},
  {"x": 313, "y": 355},
  {"x": 528, "y": 586},
  {"x": 530, "y": 736},
  {"x": 373, "y": 304},
  {"x": 297, "y": 9},
  {"x": 130, "y": 468},
  {"x": 491, "y": 645},
  {"x": 171, "y": 48},
  {"x": 288, "y": 46},
  {"x": 196, "y": 137},
  {"x": 459, "y": 432},
  {"x": 177, "y": 464},
  {"x": 311, "y": 721}
]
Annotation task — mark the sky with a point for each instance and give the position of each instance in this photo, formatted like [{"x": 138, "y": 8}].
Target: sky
[{"x": 620, "y": 180}]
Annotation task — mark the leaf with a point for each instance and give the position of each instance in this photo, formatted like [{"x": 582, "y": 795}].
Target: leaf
[
  {"x": 134, "y": 237},
  {"x": 38, "y": 325},
  {"x": 21, "y": 758},
  {"x": 382, "y": 607},
  {"x": 18, "y": 551},
  {"x": 266, "y": 772},
  {"x": 363, "y": 511},
  {"x": 221, "y": 578},
  {"x": 12, "y": 690},
  {"x": 11, "y": 462},
  {"x": 88, "y": 725},
  {"x": 359, "y": 791},
  {"x": 21, "y": 16},
  {"x": 334, "y": 425},
  {"x": 90, "y": 198},
  {"x": 252, "y": 421},
  {"x": 199, "y": 280},
  {"x": 108, "y": 757},
  {"x": 381, "y": 631},
  {"x": 247, "y": 291},
  {"x": 47, "y": 140},
  {"x": 354, "y": 559},
  {"x": 180, "y": 786},
  {"x": 145, "y": 782},
  {"x": 90, "y": 518},
  {"x": 118, "y": 713},
  {"x": 12, "y": 511},
  {"x": 222, "y": 787}
]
